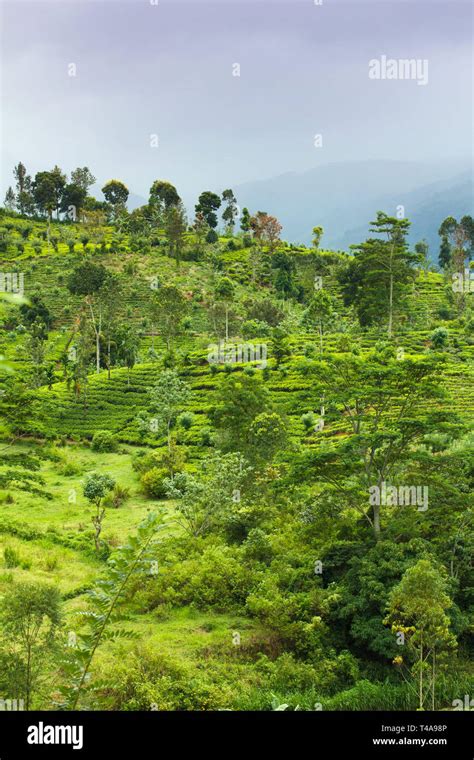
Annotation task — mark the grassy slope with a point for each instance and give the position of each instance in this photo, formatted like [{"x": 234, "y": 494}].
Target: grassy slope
[{"x": 191, "y": 636}]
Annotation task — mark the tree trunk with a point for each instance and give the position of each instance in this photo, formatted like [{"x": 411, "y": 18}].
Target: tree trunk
[
  {"x": 108, "y": 358},
  {"x": 420, "y": 697},
  {"x": 377, "y": 521},
  {"x": 390, "y": 307}
]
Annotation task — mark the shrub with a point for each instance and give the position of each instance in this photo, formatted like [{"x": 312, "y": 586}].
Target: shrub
[
  {"x": 186, "y": 420},
  {"x": 11, "y": 557},
  {"x": 153, "y": 483},
  {"x": 439, "y": 337},
  {"x": 117, "y": 497},
  {"x": 51, "y": 562},
  {"x": 206, "y": 437},
  {"x": 257, "y": 546},
  {"x": 104, "y": 441},
  {"x": 308, "y": 420}
]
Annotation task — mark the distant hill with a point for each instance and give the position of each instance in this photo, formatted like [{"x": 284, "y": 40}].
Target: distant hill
[{"x": 344, "y": 197}]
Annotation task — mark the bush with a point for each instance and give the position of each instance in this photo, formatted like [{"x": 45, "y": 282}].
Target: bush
[
  {"x": 119, "y": 496},
  {"x": 104, "y": 441},
  {"x": 308, "y": 420},
  {"x": 257, "y": 546},
  {"x": 153, "y": 483},
  {"x": 11, "y": 557},
  {"x": 186, "y": 420},
  {"x": 439, "y": 337}
]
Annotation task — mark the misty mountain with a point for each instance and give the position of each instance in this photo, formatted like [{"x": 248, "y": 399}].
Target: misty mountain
[{"x": 344, "y": 198}]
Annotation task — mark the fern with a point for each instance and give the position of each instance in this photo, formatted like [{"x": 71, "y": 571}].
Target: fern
[{"x": 129, "y": 560}]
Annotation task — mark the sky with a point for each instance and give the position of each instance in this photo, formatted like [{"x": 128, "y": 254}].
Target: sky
[{"x": 147, "y": 89}]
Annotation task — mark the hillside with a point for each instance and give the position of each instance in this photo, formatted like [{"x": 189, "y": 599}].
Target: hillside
[{"x": 277, "y": 578}]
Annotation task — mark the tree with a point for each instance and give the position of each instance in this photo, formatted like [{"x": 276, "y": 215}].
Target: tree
[
  {"x": 168, "y": 308},
  {"x": 111, "y": 301},
  {"x": 59, "y": 183},
  {"x": 200, "y": 229},
  {"x": 35, "y": 309},
  {"x": 35, "y": 346},
  {"x": 231, "y": 211},
  {"x": 45, "y": 193},
  {"x": 280, "y": 345},
  {"x": 225, "y": 291},
  {"x": 375, "y": 280},
  {"x": 417, "y": 610},
  {"x": 24, "y": 190},
  {"x": 422, "y": 250},
  {"x": 320, "y": 312},
  {"x": 163, "y": 195},
  {"x": 209, "y": 501},
  {"x": 95, "y": 487},
  {"x": 116, "y": 194},
  {"x": 131, "y": 561},
  {"x": 266, "y": 228},
  {"x": 31, "y": 616},
  {"x": 317, "y": 235},
  {"x": 127, "y": 347},
  {"x": 83, "y": 178},
  {"x": 10, "y": 201},
  {"x": 239, "y": 400},
  {"x": 267, "y": 436},
  {"x": 175, "y": 226},
  {"x": 167, "y": 398},
  {"x": 285, "y": 271},
  {"x": 207, "y": 205},
  {"x": 245, "y": 220},
  {"x": 72, "y": 201},
  {"x": 388, "y": 408},
  {"x": 460, "y": 236},
  {"x": 445, "y": 255},
  {"x": 90, "y": 280}
]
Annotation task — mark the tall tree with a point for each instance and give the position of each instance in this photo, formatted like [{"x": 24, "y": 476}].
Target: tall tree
[
  {"x": 31, "y": 616},
  {"x": 320, "y": 312},
  {"x": 460, "y": 236},
  {"x": 375, "y": 280},
  {"x": 10, "y": 201},
  {"x": 175, "y": 226},
  {"x": 230, "y": 212},
  {"x": 245, "y": 220},
  {"x": 89, "y": 280},
  {"x": 72, "y": 201},
  {"x": 388, "y": 409},
  {"x": 445, "y": 256},
  {"x": 168, "y": 307},
  {"x": 167, "y": 399},
  {"x": 127, "y": 346},
  {"x": 83, "y": 178},
  {"x": 24, "y": 190},
  {"x": 317, "y": 235},
  {"x": 208, "y": 203},
  {"x": 225, "y": 291},
  {"x": 116, "y": 194},
  {"x": 417, "y": 611},
  {"x": 163, "y": 195}
]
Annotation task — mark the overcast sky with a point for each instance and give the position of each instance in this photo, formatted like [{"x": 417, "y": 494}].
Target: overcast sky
[{"x": 166, "y": 69}]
